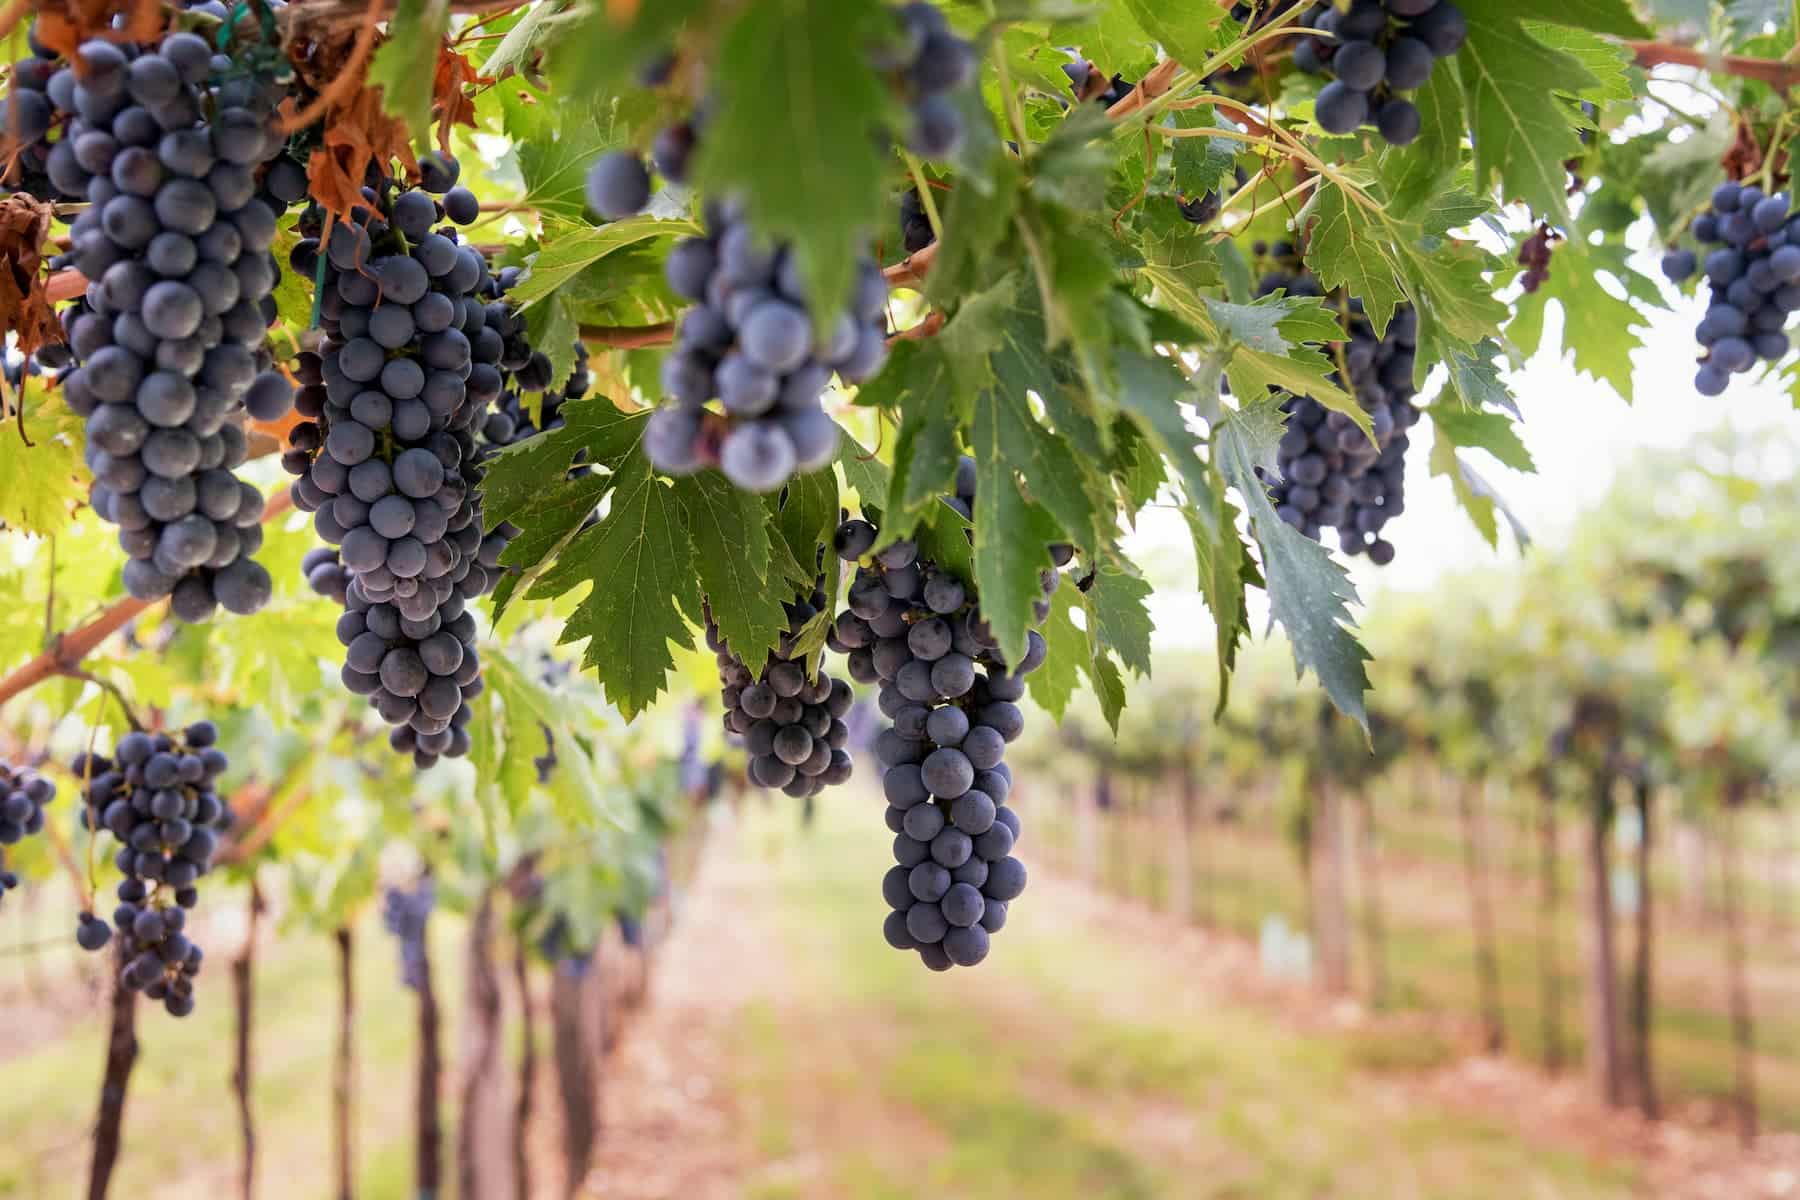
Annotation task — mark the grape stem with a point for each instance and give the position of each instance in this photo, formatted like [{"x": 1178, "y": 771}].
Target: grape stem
[
  {"x": 65, "y": 652},
  {"x": 1777, "y": 74}
]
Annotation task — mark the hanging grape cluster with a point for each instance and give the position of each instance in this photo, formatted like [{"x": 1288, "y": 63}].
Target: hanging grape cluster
[
  {"x": 418, "y": 343},
  {"x": 754, "y": 341},
  {"x": 925, "y": 64},
  {"x": 156, "y": 796},
  {"x": 164, "y": 143},
  {"x": 793, "y": 727},
  {"x": 1753, "y": 279},
  {"x": 1377, "y": 50},
  {"x": 23, "y": 794},
  {"x": 1331, "y": 473},
  {"x": 405, "y": 915},
  {"x": 918, "y": 632}
]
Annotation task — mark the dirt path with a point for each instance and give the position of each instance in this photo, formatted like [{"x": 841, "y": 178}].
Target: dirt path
[
  {"x": 1105, "y": 1051},
  {"x": 671, "y": 1122}
]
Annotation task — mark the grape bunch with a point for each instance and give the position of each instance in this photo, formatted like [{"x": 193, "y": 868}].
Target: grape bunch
[
  {"x": 1091, "y": 85},
  {"x": 1331, "y": 474},
  {"x": 23, "y": 794},
  {"x": 1375, "y": 51},
  {"x": 164, "y": 144},
  {"x": 157, "y": 796},
  {"x": 915, "y": 226},
  {"x": 509, "y": 421},
  {"x": 418, "y": 345},
  {"x": 405, "y": 915},
  {"x": 1534, "y": 256},
  {"x": 752, "y": 341},
  {"x": 793, "y": 727},
  {"x": 924, "y": 64},
  {"x": 1753, "y": 279},
  {"x": 953, "y": 702}
]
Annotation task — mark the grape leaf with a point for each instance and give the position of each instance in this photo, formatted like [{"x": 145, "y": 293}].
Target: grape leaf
[
  {"x": 1478, "y": 500},
  {"x": 1599, "y": 330},
  {"x": 1118, "y": 617},
  {"x": 730, "y": 532},
  {"x": 1475, "y": 376},
  {"x": 1415, "y": 174},
  {"x": 975, "y": 225},
  {"x": 639, "y": 565},
  {"x": 1053, "y": 685},
  {"x": 553, "y": 330},
  {"x": 925, "y": 458},
  {"x": 863, "y": 473},
  {"x": 1521, "y": 131},
  {"x": 541, "y": 22},
  {"x": 615, "y": 40},
  {"x": 1384, "y": 260},
  {"x": 1601, "y": 16},
  {"x": 1608, "y": 62},
  {"x": 791, "y": 65},
  {"x": 1225, "y": 572},
  {"x": 40, "y": 484},
  {"x": 1186, "y": 31},
  {"x": 404, "y": 67},
  {"x": 1012, "y": 535},
  {"x": 1308, "y": 591},
  {"x": 1202, "y": 162},
  {"x": 568, "y": 251},
  {"x": 1150, "y": 394},
  {"x": 1488, "y": 431}
]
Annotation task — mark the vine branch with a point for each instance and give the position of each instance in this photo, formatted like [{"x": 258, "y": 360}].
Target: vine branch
[
  {"x": 1777, "y": 74},
  {"x": 66, "y": 650}
]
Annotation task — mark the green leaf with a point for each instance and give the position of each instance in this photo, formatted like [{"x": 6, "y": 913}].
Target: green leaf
[
  {"x": 554, "y": 330},
  {"x": 1383, "y": 261},
  {"x": 640, "y": 568},
  {"x": 1609, "y": 63},
  {"x": 1601, "y": 16},
  {"x": 1599, "y": 330},
  {"x": 572, "y": 251},
  {"x": 925, "y": 459},
  {"x": 542, "y": 22},
  {"x": 1475, "y": 376},
  {"x": 1187, "y": 31},
  {"x": 1477, "y": 498},
  {"x": 1417, "y": 173},
  {"x": 1488, "y": 431},
  {"x": 40, "y": 484},
  {"x": 1012, "y": 536},
  {"x": 1522, "y": 132},
  {"x": 596, "y": 56},
  {"x": 1150, "y": 394},
  {"x": 1118, "y": 616},
  {"x": 1201, "y": 163},
  {"x": 405, "y": 65},
  {"x": 1308, "y": 591},
  {"x": 863, "y": 473},
  {"x": 792, "y": 66},
  {"x": 1225, "y": 572},
  {"x": 976, "y": 223},
  {"x": 1053, "y": 685},
  {"x": 730, "y": 532}
]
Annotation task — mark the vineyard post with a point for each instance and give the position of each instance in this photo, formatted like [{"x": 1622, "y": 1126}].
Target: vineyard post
[
  {"x": 1603, "y": 1051},
  {"x": 1642, "y": 980},
  {"x": 477, "y": 1128},
  {"x": 1374, "y": 915},
  {"x": 343, "y": 1080},
  {"x": 1481, "y": 912},
  {"x": 1742, "y": 1031},
  {"x": 429, "y": 1137},
  {"x": 521, "y": 1124},
  {"x": 244, "y": 1002},
  {"x": 575, "y": 1066},
  {"x": 1549, "y": 912},
  {"x": 121, "y": 1056}
]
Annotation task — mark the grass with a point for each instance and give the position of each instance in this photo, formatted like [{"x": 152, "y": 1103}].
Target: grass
[
  {"x": 181, "y": 1121},
  {"x": 1430, "y": 952},
  {"x": 1071, "y": 1065}
]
